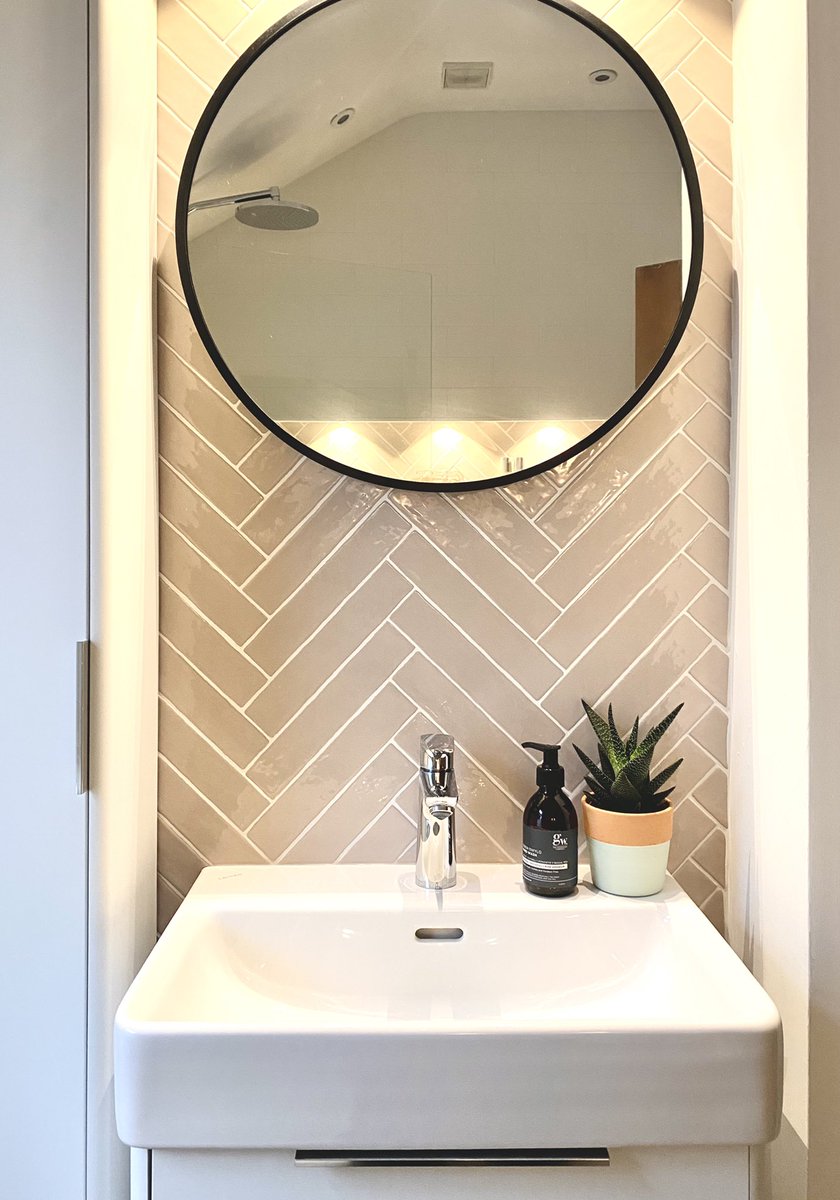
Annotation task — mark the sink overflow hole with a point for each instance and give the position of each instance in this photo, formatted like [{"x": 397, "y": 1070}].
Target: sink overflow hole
[{"x": 438, "y": 935}]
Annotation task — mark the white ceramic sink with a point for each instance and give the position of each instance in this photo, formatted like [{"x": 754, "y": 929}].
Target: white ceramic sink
[{"x": 297, "y": 1007}]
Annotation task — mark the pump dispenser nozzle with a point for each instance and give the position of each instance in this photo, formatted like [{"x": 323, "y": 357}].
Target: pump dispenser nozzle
[{"x": 549, "y": 770}]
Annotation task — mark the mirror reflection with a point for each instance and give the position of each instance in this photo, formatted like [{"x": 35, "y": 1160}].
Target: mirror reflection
[{"x": 439, "y": 241}]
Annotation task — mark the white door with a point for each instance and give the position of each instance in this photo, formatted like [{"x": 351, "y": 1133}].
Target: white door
[{"x": 43, "y": 596}]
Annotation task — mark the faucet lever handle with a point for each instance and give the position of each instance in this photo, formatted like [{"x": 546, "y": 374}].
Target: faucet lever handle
[{"x": 437, "y": 759}]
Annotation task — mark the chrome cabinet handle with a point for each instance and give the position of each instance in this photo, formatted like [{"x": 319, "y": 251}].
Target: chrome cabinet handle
[
  {"x": 82, "y": 717},
  {"x": 589, "y": 1157}
]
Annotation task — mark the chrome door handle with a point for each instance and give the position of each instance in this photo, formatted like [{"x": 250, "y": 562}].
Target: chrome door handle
[{"x": 589, "y": 1157}]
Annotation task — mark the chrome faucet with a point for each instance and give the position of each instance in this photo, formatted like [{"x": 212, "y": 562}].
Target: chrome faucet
[{"x": 436, "y": 866}]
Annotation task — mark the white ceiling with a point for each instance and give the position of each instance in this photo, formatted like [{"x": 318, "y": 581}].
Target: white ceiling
[{"x": 384, "y": 58}]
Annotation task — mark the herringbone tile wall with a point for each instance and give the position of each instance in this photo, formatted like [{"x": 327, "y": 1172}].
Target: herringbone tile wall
[{"x": 313, "y": 626}]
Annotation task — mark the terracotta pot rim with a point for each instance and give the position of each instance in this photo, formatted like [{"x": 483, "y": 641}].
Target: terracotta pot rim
[{"x": 628, "y": 829}]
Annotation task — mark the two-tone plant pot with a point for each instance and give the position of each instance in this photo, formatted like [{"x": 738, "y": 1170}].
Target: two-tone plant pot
[{"x": 628, "y": 852}]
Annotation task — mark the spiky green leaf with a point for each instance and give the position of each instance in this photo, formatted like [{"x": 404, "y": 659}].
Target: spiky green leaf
[
  {"x": 664, "y": 775},
  {"x": 633, "y": 739},
  {"x": 638, "y": 769},
  {"x": 606, "y": 765},
  {"x": 599, "y": 776},
  {"x": 617, "y": 739},
  {"x": 615, "y": 751},
  {"x": 656, "y": 733}
]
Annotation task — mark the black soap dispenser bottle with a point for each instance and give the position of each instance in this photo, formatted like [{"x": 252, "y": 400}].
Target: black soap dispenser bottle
[{"x": 549, "y": 831}]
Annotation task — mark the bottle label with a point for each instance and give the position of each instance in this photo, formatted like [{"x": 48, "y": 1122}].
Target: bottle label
[{"x": 550, "y": 859}]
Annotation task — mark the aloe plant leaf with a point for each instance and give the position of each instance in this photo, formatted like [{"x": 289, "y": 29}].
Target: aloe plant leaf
[
  {"x": 633, "y": 739},
  {"x": 663, "y": 796},
  {"x": 606, "y": 765},
  {"x": 617, "y": 739},
  {"x": 604, "y": 735},
  {"x": 638, "y": 769},
  {"x": 599, "y": 776},
  {"x": 656, "y": 733},
  {"x": 665, "y": 775},
  {"x": 624, "y": 789}
]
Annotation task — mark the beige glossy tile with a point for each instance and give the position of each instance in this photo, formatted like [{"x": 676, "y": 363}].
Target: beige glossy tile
[
  {"x": 167, "y": 265},
  {"x": 635, "y": 634},
  {"x": 643, "y": 686},
  {"x": 290, "y": 503},
  {"x": 691, "y": 826},
  {"x": 190, "y": 633},
  {"x": 261, "y": 18},
  {"x": 327, "y": 588},
  {"x": 714, "y": 19},
  {"x": 717, "y": 258},
  {"x": 221, "y": 15},
  {"x": 709, "y": 369},
  {"x": 710, "y": 132},
  {"x": 711, "y": 856},
  {"x": 694, "y": 881},
  {"x": 222, "y": 603},
  {"x": 696, "y": 764},
  {"x": 472, "y": 671},
  {"x": 486, "y": 566},
  {"x": 192, "y": 42},
  {"x": 711, "y": 73},
  {"x": 208, "y": 531},
  {"x": 498, "y": 755},
  {"x": 180, "y": 89},
  {"x": 712, "y": 794},
  {"x": 205, "y": 410},
  {"x": 167, "y": 193},
  {"x": 634, "y": 19},
  {"x": 684, "y": 96},
  {"x": 710, "y": 491},
  {"x": 205, "y": 768},
  {"x": 175, "y": 327},
  {"x": 711, "y": 550},
  {"x": 716, "y": 190},
  {"x": 532, "y": 495},
  {"x": 303, "y": 675},
  {"x": 487, "y": 805},
  {"x": 713, "y": 314},
  {"x": 207, "y": 709},
  {"x": 178, "y": 861},
  {"x": 168, "y": 903},
  {"x": 517, "y": 538},
  {"x": 711, "y": 609},
  {"x": 210, "y": 474},
  {"x": 474, "y": 846},
  {"x": 711, "y": 431},
  {"x": 695, "y": 702},
  {"x": 712, "y": 673},
  {"x": 430, "y": 571},
  {"x": 631, "y": 572},
  {"x": 335, "y": 766},
  {"x": 305, "y": 551},
  {"x": 268, "y": 462},
  {"x": 711, "y": 732},
  {"x": 215, "y": 839},
  {"x": 342, "y": 699},
  {"x": 669, "y": 43},
  {"x": 364, "y": 798},
  {"x": 655, "y": 488},
  {"x": 714, "y": 909},
  {"x": 639, "y": 440},
  {"x": 384, "y": 841}
]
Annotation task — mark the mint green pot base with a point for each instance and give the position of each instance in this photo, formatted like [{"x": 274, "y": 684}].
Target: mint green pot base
[{"x": 628, "y": 870}]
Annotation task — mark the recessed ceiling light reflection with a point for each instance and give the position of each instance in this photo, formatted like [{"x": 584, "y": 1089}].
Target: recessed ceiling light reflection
[
  {"x": 446, "y": 439},
  {"x": 551, "y": 439},
  {"x": 343, "y": 437}
]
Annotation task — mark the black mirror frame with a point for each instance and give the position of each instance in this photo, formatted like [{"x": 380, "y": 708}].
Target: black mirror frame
[{"x": 652, "y": 83}]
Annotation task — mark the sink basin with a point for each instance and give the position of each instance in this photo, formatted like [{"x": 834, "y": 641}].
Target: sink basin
[{"x": 342, "y": 1007}]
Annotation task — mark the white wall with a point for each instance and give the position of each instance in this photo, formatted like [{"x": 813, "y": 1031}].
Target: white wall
[
  {"x": 769, "y": 705},
  {"x": 43, "y": 550},
  {"x": 464, "y": 222},
  {"x": 124, "y": 547}
]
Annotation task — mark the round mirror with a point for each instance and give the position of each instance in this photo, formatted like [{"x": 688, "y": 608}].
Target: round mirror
[{"x": 440, "y": 244}]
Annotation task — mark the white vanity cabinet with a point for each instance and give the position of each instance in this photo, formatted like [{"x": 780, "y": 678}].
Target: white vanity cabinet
[{"x": 658, "y": 1173}]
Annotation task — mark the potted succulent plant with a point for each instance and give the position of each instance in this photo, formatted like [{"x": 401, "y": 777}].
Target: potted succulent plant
[{"x": 627, "y": 815}]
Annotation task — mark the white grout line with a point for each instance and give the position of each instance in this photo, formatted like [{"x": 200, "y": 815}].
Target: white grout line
[{"x": 221, "y": 815}]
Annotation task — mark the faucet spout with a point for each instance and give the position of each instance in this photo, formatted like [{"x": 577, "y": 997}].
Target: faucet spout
[{"x": 436, "y": 865}]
